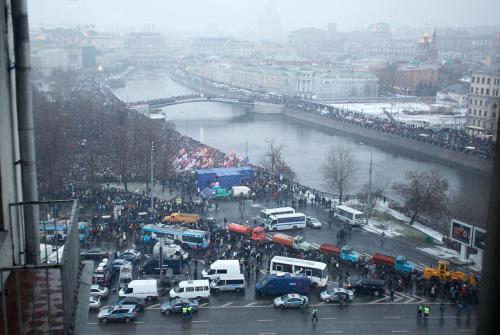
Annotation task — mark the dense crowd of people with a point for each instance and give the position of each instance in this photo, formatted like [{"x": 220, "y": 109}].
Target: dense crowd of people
[{"x": 449, "y": 138}]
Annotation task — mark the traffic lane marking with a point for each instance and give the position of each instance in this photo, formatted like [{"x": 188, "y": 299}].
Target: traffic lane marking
[
  {"x": 99, "y": 323},
  {"x": 200, "y": 321},
  {"x": 334, "y": 331},
  {"x": 399, "y": 331},
  {"x": 392, "y": 317},
  {"x": 328, "y": 318},
  {"x": 265, "y": 320}
]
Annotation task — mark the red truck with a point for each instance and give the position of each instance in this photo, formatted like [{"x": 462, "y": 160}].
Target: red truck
[
  {"x": 330, "y": 249},
  {"x": 383, "y": 259},
  {"x": 256, "y": 234},
  {"x": 399, "y": 263}
]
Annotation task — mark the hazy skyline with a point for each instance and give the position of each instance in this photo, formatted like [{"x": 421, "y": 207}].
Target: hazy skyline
[{"x": 234, "y": 17}]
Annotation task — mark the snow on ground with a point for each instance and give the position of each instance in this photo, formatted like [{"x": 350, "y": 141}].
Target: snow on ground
[
  {"x": 446, "y": 253},
  {"x": 402, "y": 217},
  {"x": 408, "y": 112},
  {"x": 378, "y": 227},
  {"x": 440, "y": 252}
]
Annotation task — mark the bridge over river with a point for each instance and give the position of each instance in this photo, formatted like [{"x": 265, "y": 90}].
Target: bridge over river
[{"x": 251, "y": 106}]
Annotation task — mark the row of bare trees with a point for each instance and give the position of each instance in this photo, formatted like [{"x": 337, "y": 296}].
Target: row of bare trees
[
  {"x": 422, "y": 193},
  {"x": 85, "y": 136}
]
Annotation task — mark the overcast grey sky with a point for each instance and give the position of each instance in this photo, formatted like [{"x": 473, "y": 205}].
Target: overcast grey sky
[{"x": 197, "y": 17}]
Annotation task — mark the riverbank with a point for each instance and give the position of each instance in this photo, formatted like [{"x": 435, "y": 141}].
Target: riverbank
[{"x": 435, "y": 153}]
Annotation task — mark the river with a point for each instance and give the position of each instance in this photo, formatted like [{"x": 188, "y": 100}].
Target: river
[{"x": 228, "y": 128}]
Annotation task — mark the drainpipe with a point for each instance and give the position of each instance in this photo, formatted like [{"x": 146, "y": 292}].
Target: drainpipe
[{"x": 26, "y": 129}]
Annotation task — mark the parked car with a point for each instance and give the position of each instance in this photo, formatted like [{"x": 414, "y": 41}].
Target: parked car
[
  {"x": 373, "y": 287},
  {"x": 176, "y": 305},
  {"x": 118, "y": 263},
  {"x": 132, "y": 301},
  {"x": 129, "y": 255},
  {"x": 93, "y": 254},
  {"x": 99, "y": 291},
  {"x": 123, "y": 313},
  {"x": 313, "y": 222},
  {"x": 290, "y": 300},
  {"x": 336, "y": 294},
  {"x": 94, "y": 302}
]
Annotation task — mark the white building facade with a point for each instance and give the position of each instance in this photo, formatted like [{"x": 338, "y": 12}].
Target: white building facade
[{"x": 484, "y": 101}]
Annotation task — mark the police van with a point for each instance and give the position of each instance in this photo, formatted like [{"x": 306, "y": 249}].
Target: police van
[{"x": 225, "y": 283}]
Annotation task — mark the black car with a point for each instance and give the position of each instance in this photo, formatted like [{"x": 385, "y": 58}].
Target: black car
[
  {"x": 94, "y": 254},
  {"x": 375, "y": 287},
  {"x": 138, "y": 302}
]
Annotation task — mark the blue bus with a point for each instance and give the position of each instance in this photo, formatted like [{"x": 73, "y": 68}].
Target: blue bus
[
  {"x": 51, "y": 231},
  {"x": 83, "y": 231},
  {"x": 191, "y": 238}
]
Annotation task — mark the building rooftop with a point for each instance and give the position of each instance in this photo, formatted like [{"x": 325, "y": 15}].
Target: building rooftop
[
  {"x": 458, "y": 88},
  {"x": 488, "y": 69}
]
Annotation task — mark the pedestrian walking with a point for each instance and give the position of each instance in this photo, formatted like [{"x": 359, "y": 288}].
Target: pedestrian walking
[
  {"x": 420, "y": 309},
  {"x": 315, "y": 315},
  {"x": 392, "y": 295},
  {"x": 189, "y": 312},
  {"x": 427, "y": 310},
  {"x": 184, "y": 312}
]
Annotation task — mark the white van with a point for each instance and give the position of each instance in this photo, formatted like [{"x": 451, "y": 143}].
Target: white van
[
  {"x": 240, "y": 191},
  {"x": 228, "y": 283},
  {"x": 222, "y": 267},
  {"x": 125, "y": 276},
  {"x": 144, "y": 289},
  {"x": 191, "y": 289}
]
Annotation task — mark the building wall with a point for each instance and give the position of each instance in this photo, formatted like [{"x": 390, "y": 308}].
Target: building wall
[
  {"x": 9, "y": 173},
  {"x": 484, "y": 104},
  {"x": 408, "y": 79},
  {"x": 293, "y": 82}
]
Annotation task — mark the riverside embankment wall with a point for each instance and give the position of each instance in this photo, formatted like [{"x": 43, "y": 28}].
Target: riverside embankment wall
[{"x": 433, "y": 152}]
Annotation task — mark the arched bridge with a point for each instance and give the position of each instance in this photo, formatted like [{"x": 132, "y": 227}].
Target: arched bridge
[
  {"x": 254, "y": 106},
  {"x": 164, "y": 102}
]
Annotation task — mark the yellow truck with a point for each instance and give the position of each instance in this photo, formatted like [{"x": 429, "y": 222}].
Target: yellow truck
[{"x": 181, "y": 218}]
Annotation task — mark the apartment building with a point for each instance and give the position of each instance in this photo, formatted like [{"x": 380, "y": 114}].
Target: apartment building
[{"x": 484, "y": 101}]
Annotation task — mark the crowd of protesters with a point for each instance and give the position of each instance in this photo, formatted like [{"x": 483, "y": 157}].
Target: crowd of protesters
[{"x": 449, "y": 138}]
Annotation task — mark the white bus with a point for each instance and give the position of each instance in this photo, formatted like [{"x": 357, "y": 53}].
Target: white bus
[
  {"x": 315, "y": 271},
  {"x": 348, "y": 215},
  {"x": 266, "y": 213},
  {"x": 286, "y": 221}
]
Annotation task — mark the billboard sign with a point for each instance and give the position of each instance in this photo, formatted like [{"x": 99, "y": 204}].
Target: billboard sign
[
  {"x": 461, "y": 232},
  {"x": 479, "y": 239}
]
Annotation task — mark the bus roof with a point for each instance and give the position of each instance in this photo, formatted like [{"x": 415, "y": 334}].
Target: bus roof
[
  {"x": 52, "y": 227},
  {"x": 167, "y": 230},
  {"x": 278, "y": 216},
  {"x": 348, "y": 209},
  {"x": 270, "y": 211},
  {"x": 300, "y": 262}
]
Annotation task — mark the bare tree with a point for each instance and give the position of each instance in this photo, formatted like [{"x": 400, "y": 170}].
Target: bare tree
[
  {"x": 339, "y": 169},
  {"x": 274, "y": 162},
  {"x": 424, "y": 193}
]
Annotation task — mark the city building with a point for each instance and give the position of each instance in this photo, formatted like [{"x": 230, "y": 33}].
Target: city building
[
  {"x": 221, "y": 47},
  {"x": 305, "y": 81},
  {"x": 484, "y": 101},
  {"x": 416, "y": 79},
  {"x": 454, "y": 95}
]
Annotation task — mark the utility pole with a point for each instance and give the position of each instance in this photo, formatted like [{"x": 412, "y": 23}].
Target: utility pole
[
  {"x": 160, "y": 260},
  {"x": 152, "y": 178},
  {"x": 369, "y": 195}
]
